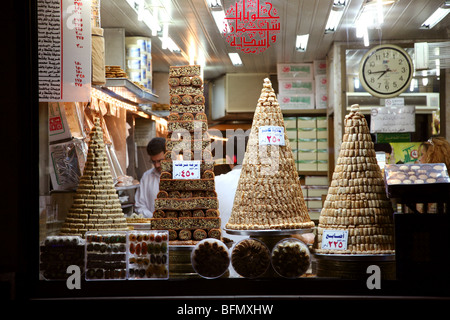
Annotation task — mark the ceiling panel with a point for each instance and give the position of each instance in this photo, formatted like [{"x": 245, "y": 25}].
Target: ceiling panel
[{"x": 193, "y": 29}]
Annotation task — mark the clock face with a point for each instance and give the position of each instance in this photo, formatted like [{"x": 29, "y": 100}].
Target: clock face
[{"x": 386, "y": 71}]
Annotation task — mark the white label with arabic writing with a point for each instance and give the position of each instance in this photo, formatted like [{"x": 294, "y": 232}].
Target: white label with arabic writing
[
  {"x": 334, "y": 239},
  {"x": 271, "y": 135},
  {"x": 186, "y": 169}
]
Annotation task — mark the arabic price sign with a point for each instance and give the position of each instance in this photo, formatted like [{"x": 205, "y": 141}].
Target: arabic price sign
[
  {"x": 186, "y": 169},
  {"x": 334, "y": 239},
  {"x": 251, "y": 26},
  {"x": 393, "y": 119},
  {"x": 271, "y": 135}
]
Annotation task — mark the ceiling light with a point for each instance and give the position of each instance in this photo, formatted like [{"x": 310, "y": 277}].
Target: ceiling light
[
  {"x": 150, "y": 20},
  {"x": 219, "y": 19},
  {"x": 435, "y": 18},
  {"x": 301, "y": 42},
  {"x": 333, "y": 20},
  {"x": 339, "y": 3},
  {"x": 235, "y": 59},
  {"x": 165, "y": 36},
  {"x": 215, "y": 4}
]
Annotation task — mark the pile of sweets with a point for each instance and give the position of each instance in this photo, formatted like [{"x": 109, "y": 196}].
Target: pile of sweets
[
  {"x": 96, "y": 205},
  {"x": 356, "y": 200},
  {"x": 268, "y": 194},
  {"x": 187, "y": 208}
]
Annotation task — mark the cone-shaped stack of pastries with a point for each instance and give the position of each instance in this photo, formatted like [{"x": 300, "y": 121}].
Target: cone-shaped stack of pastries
[
  {"x": 268, "y": 194},
  {"x": 96, "y": 205},
  {"x": 356, "y": 200},
  {"x": 187, "y": 208}
]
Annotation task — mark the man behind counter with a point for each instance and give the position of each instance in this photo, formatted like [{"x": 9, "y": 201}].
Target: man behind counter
[{"x": 149, "y": 184}]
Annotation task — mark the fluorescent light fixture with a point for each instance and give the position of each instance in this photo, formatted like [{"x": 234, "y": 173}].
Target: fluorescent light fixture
[
  {"x": 339, "y": 3},
  {"x": 172, "y": 46},
  {"x": 151, "y": 21},
  {"x": 301, "y": 42},
  {"x": 235, "y": 59},
  {"x": 165, "y": 36},
  {"x": 435, "y": 18},
  {"x": 219, "y": 19},
  {"x": 333, "y": 20},
  {"x": 215, "y": 4}
]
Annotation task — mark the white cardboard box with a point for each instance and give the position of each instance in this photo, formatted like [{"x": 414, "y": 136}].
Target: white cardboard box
[
  {"x": 306, "y": 122},
  {"x": 295, "y": 70},
  {"x": 320, "y": 67},
  {"x": 308, "y": 144},
  {"x": 322, "y": 122},
  {"x": 296, "y": 86},
  {"x": 290, "y": 122},
  {"x": 316, "y": 181},
  {"x": 322, "y": 165},
  {"x": 306, "y": 165},
  {"x": 296, "y": 101},
  {"x": 321, "y": 91},
  {"x": 322, "y": 133},
  {"x": 307, "y": 133},
  {"x": 307, "y": 155}
]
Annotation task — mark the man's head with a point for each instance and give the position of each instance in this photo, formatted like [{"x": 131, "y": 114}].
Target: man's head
[{"x": 156, "y": 149}]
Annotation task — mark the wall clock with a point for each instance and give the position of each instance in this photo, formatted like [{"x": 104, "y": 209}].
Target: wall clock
[{"x": 386, "y": 70}]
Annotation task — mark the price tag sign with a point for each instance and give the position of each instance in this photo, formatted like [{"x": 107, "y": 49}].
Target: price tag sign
[
  {"x": 186, "y": 169},
  {"x": 271, "y": 135},
  {"x": 334, "y": 239}
]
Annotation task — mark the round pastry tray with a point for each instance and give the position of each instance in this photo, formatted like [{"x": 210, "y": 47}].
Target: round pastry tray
[
  {"x": 355, "y": 257},
  {"x": 268, "y": 232}
]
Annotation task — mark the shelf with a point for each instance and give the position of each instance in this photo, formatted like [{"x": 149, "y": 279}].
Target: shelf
[
  {"x": 312, "y": 173},
  {"x": 304, "y": 112},
  {"x": 126, "y": 91}
]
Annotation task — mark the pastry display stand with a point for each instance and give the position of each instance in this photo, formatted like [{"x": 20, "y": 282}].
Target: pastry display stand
[
  {"x": 354, "y": 266},
  {"x": 270, "y": 238},
  {"x": 421, "y": 237},
  {"x": 411, "y": 195}
]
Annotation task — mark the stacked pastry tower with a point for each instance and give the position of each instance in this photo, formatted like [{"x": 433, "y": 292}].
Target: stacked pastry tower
[
  {"x": 356, "y": 199},
  {"x": 187, "y": 208},
  {"x": 268, "y": 194},
  {"x": 96, "y": 205}
]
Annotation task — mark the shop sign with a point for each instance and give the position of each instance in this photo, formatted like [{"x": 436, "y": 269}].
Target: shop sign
[
  {"x": 182, "y": 169},
  {"x": 64, "y": 50},
  {"x": 271, "y": 135},
  {"x": 251, "y": 26},
  {"x": 334, "y": 239},
  {"x": 393, "y": 119}
]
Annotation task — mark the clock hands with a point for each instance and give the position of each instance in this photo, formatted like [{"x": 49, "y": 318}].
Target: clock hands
[{"x": 383, "y": 72}]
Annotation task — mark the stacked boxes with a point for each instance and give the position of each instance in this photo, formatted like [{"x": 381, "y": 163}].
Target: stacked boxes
[
  {"x": 308, "y": 137},
  {"x": 139, "y": 60},
  {"x": 314, "y": 189},
  {"x": 302, "y": 85},
  {"x": 296, "y": 86},
  {"x": 322, "y": 143},
  {"x": 321, "y": 84}
]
